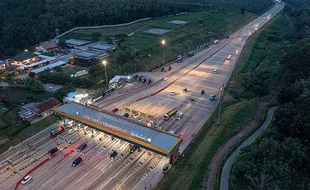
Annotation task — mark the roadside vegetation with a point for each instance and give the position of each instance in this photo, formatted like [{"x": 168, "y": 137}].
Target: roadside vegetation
[
  {"x": 24, "y": 23},
  {"x": 14, "y": 129},
  {"x": 244, "y": 108},
  {"x": 280, "y": 158}
]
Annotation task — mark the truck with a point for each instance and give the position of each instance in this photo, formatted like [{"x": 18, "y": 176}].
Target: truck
[
  {"x": 56, "y": 132},
  {"x": 170, "y": 113},
  {"x": 228, "y": 59}
]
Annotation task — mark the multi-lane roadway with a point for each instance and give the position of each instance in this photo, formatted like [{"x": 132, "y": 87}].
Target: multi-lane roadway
[{"x": 206, "y": 70}]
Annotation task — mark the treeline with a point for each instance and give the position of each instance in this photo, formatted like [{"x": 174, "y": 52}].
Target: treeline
[
  {"x": 23, "y": 23},
  {"x": 280, "y": 159}
]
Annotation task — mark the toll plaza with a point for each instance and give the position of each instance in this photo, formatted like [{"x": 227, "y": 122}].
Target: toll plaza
[{"x": 160, "y": 142}]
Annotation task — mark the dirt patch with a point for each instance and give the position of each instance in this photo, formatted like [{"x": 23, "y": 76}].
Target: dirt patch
[{"x": 215, "y": 166}]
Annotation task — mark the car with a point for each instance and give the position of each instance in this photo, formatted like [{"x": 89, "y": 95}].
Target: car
[
  {"x": 202, "y": 92},
  {"x": 115, "y": 110},
  {"x": 76, "y": 161},
  {"x": 191, "y": 53},
  {"x": 179, "y": 115},
  {"x": 71, "y": 131},
  {"x": 81, "y": 147},
  {"x": 216, "y": 41},
  {"x": 192, "y": 100},
  {"x": 69, "y": 141},
  {"x": 172, "y": 93},
  {"x": 26, "y": 179},
  {"x": 212, "y": 98},
  {"x": 53, "y": 151},
  {"x": 113, "y": 154},
  {"x": 126, "y": 115},
  {"x": 214, "y": 71},
  {"x": 133, "y": 149},
  {"x": 165, "y": 78},
  {"x": 185, "y": 90},
  {"x": 179, "y": 58}
]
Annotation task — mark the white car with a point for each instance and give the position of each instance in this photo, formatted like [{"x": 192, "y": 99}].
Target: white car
[
  {"x": 71, "y": 131},
  {"x": 172, "y": 93},
  {"x": 214, "y": 71},
  {"x": 166, "y": 78},
  {"x": 26, "y": 179}
]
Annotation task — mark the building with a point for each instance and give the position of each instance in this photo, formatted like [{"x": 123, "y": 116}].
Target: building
[
  {"x": 102, "y": 46},
  {"x": 85, "y": 55},
  {"x": 27, "y": 111},
  {"x": 36, "y": 71},
  {"x": 73, "y": 43},
  {"x": 48, "y": 46},
  {"x": 82, "y": 98},
  {"x": 46, "y": 108},
  {"x": 160, "y": 142},
  {"x": 25, "y": 58},
  {"x": 118, "y": 81},
  {"x": 2, "y": 66},
  {"x": 28, "y": 60}
]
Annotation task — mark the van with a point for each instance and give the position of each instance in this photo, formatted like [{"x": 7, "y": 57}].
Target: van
[
  {"x": 166, "y": 168},
  {"x": 76, "y": 161},
  {"x": 81, "y": 147}
]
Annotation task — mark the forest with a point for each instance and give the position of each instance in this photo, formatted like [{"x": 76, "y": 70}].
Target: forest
[
  {"x": 280, "y": 159},
  {"x": 24, "y": 23}
]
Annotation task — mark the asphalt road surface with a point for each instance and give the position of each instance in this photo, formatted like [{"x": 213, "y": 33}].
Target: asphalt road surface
[
  {"x": 224, "y": 183},
  {"x": 142, "y": 169}
]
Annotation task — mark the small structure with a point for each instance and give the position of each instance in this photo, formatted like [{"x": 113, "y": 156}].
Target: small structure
[
  {"x": 85, "y": 55},
  {"x": 47, "y": 46},
  {"x": 118, "y": 81},
  {"x": 102, "y": 46},
  {"x": 27, "y": 111},
  {"x": 76, "y": 42},
  {"x": 46, "y": 108},
  {"x": 82, "y": 98},
  {"x": 2, "y": 66},
  {"x": 34, "y": 72}
]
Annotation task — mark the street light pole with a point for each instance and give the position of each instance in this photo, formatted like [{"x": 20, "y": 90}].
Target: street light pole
[
  {"x": 163, "y": 42},
  {"x": 104, "y": 62},
  {"x": 219, "y": 109}
]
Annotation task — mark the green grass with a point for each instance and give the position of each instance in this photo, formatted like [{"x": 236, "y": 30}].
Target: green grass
[
  {"x": 262, "y": 55},
  {"x": 16, "y": 95},
  {"x": 26, "y": 132},
  {"x": 259, "y": 57},
  {"x": 190, "y": 171},
  {"x": 202, "y": 28}
]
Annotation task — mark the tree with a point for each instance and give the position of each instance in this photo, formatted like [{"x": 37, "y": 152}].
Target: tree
[{"x": 33, "y": 85}]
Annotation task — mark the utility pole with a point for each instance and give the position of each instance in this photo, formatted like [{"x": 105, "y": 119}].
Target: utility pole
[{"x": 218, "y": 123}]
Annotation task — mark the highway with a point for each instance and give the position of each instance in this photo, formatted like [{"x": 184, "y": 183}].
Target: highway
[{"x": 141, "y": 169}]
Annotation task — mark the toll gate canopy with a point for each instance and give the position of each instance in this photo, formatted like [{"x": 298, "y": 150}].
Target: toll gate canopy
[{"x": 155, "y": 140}]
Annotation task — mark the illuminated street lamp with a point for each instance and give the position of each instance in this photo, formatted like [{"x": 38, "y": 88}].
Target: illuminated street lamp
[
  {"x": 104, "y": 63},
  {"x": 163, "y": 43}
]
